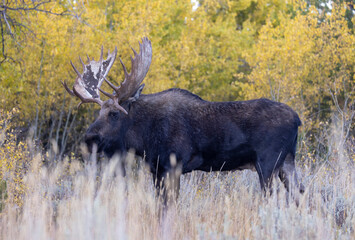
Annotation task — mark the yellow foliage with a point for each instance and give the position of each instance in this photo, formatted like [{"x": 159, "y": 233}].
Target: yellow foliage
[
  {"x": 304, "y": 62},
  {"x": 223, "y": 50},
  {"x": 13, "y": 158},
  {"x": 190, "y": 49}
]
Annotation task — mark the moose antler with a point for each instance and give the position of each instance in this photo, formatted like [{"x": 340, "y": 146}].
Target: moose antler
[
  {"x": 87, "y": 84},
  {"x": 140, "y": 66}
]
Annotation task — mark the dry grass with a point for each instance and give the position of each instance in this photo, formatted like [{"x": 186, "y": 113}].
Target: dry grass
[{"x": 76, "y": 201}]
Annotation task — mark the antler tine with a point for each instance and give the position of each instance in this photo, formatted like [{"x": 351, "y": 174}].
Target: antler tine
[
  {"x": 67, "y": 88},
  {"x": 113, "y": 97},
  {"x": 120, "y": 107},
  {"x": 76, "y": 70},
  {"x": 107, "y": 94},
  {"x": 86, "y": 100},
  {"x": 87, "y": 56},
  {"x": 111, "y": 85},
  {"x": 134, "y": 51},
  {"x": 79, "y": 104},
  {"x": 81, "y": 60},
  {"x": 126, "y": 74}
]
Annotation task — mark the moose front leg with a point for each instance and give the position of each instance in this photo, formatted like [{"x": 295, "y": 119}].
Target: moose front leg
[
  {"x": 167, "y": 183},
  {"x": 167, "y": 187}
]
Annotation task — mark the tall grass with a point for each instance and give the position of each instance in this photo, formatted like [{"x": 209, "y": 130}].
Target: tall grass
[{"x": 68, "y": 199}]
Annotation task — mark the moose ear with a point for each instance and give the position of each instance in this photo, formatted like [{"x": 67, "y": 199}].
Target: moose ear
[{"x": 137, "y": 94}]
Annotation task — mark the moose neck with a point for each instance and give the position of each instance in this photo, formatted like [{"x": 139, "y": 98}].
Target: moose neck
[{"x": 135, "y": 128}]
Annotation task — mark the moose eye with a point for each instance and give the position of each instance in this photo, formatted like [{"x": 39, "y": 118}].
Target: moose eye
[{"x": 113, "y": 115}]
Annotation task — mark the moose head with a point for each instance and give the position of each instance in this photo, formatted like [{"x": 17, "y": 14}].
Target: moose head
[{"x": 87, "y": 88}]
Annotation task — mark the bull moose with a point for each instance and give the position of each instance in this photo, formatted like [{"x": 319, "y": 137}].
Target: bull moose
[{"x": 201, "y": 135}]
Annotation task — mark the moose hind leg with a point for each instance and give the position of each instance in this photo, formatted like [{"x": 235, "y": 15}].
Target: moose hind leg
[
  {"x": 288, "y": 175},
  {"x": 265, "y": 174}
]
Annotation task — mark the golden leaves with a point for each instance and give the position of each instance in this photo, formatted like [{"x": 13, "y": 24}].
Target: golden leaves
[
  {"x": 13, "y": 156},
  {"x": 224, "y": 50}
]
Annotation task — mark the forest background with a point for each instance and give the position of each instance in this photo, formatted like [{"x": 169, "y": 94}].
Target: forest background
[{"x": 297, "y": 52}]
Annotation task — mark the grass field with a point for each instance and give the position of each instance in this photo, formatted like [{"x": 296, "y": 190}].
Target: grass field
[
  {"x": 71, "y": 200},
  {"x": 78, "y": 202}
]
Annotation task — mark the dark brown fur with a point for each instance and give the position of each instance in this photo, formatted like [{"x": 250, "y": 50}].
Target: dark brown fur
[{"x": 202, "y": 135}]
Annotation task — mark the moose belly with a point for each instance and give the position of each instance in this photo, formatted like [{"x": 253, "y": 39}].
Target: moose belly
[{"x": 238, "y": 158}]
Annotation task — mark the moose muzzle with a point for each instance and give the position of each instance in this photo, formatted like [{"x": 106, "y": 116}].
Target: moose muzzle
[{"x": 92, "y": 139}]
